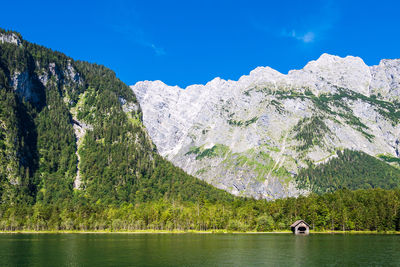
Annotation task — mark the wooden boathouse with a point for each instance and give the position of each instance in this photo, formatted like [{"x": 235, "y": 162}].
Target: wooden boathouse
[{"x": 300, "y": 227}]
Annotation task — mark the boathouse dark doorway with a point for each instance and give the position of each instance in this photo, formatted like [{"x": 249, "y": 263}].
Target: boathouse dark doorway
[{"x": 302, "y": 230}]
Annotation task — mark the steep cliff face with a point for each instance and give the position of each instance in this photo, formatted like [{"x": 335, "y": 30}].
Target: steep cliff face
[{"x": 252, "y": 136}]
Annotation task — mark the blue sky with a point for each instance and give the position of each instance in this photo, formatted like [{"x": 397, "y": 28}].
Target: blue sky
[{"x": 186, "y": 42}]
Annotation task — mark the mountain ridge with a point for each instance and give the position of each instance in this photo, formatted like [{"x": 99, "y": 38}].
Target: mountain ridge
[
  {"x": 355, "y": 105},
  {"x": 260, "y": 71}
]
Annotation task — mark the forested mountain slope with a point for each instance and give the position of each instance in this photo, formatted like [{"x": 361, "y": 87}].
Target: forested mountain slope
[
  {"x": 72, "y": 130},
  {"x": 258, "y": 135}
]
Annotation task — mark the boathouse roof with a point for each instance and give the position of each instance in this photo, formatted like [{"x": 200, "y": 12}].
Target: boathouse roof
[{"x": 298, "y": 222}]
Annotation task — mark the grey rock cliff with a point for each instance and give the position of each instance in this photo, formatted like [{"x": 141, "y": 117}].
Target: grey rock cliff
[
  {"x": 251, "y": 136},
  {"x": 11, "y": 38}
]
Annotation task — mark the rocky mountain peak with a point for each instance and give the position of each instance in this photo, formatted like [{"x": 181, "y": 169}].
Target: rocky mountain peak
[
  {"x": 386, "y": 79},
  {"x": 329, "y": 70},
  {"x": 261, "y": 75}
]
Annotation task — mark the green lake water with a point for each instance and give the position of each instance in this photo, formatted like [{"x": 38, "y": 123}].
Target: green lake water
[{"x": 198, "y": 250}]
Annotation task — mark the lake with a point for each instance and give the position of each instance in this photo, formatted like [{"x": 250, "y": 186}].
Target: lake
[{"x": 198, "y": 250}]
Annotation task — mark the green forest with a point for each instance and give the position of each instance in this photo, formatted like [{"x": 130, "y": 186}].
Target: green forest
[
  {"x": 349, "y": 170},
  {"x": 125, "y": 184},
  {"x": 343, "y": 210}
]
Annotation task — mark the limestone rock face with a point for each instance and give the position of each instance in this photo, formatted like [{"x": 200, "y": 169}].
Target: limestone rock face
[
  {"x": 11, "y": 38},
  {"x": 22, "y": 84},
  {"x": 350, "y": 72},
  {"x": 251, "y": 136}
]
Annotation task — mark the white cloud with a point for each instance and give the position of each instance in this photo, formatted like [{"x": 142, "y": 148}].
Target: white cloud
[
  {"x": 307, "y": 37},
  {"x": 135, "y": 34},
  {"x": 307, "y": 28},
  {"x": 158, "y": 50}
]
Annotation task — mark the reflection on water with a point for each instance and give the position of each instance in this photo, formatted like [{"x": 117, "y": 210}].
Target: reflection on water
[{"x": 198, "y": 250}]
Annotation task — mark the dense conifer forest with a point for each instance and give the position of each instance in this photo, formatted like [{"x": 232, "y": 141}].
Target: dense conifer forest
[
  {"x": 125, "y": 184},
  {"x": 343, "y": 210},
  {"x": 350, "y": 170}
]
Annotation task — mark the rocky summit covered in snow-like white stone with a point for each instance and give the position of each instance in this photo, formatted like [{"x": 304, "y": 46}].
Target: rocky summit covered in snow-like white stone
[{"x": 251, "y": 136}]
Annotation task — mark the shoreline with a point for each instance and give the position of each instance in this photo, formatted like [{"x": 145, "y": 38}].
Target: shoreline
[{"x": 192, "y": 232}]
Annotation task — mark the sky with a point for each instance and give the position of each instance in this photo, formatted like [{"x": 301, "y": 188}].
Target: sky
[{"x": 192, "y": 42}]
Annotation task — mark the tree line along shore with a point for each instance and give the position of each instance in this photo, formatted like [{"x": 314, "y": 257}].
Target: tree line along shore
[{"x": 368, "y": 210}]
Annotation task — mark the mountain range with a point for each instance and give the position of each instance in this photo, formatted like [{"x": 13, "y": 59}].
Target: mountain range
[
  {"x": 72, "y": 129},
  {"x": 333, "y": 124},
  {"x": 80, "y": 150}
]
